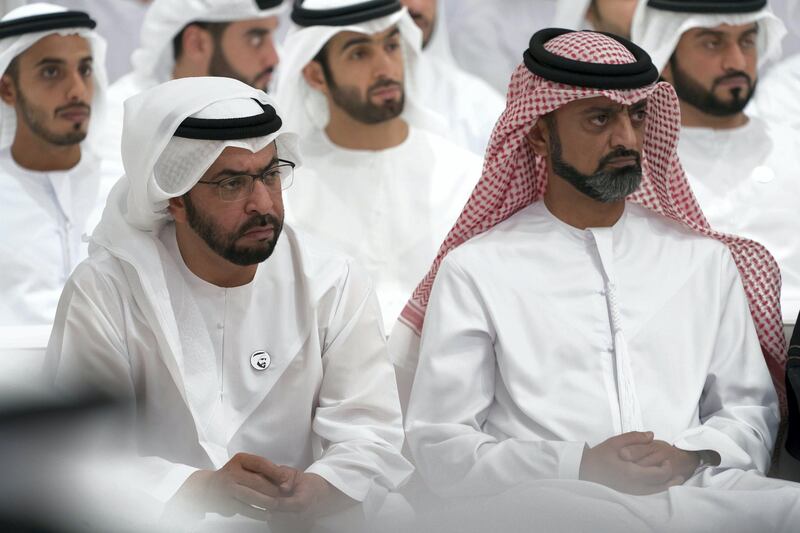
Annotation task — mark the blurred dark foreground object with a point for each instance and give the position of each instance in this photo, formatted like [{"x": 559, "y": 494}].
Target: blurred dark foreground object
[
  {"x": 792, "y": 391},
  {"x": 42, "y": 440}
]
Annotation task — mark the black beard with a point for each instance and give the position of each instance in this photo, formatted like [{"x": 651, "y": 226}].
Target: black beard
[
  {"x": 603, "y": 185},
  {"x": 225, "y": 245},
  {"x": 34, "y": 120},
  {"x": 365, "y": 111},
  {"x": 221, "y": 68},
  {"x": 694, "y": 94}
]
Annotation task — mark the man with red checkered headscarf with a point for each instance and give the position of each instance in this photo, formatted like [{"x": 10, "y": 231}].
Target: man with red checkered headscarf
[{"x": 582, "y": 321}]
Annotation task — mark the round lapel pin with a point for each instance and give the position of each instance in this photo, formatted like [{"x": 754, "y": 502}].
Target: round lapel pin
[{"x": 260, "y": 360}]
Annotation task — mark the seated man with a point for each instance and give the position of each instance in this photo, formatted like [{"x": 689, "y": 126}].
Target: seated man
[
  {"x": 377, "y": 180},
  {"x": 742, "y": 168},
  {"x": 234, "y": 365},
  {"x": 571, "y": 334},
  {"x": 52, "y": 86}
]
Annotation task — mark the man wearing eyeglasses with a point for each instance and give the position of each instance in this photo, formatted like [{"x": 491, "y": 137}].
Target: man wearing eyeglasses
[{"x": 254, "y": 354}]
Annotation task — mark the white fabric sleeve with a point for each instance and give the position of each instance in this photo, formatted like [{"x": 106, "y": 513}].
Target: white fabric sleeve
[
  {"x": 452, "y": 394},
  {"x": 87, "y": 354},
  {"x": 738, "y": 407},
  {"x": 358, "y": 416}
]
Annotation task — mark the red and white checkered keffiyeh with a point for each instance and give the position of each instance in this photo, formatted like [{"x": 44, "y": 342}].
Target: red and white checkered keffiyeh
[{"x": 514, "y": 177}]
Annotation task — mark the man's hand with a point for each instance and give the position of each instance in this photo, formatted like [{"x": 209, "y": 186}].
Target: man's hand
[
  {"x": 246, "y": 485},
  {"x": 312, "y": 495},
  {"x": 658, "y": 452},
  {"x": 604, "y": 464}
]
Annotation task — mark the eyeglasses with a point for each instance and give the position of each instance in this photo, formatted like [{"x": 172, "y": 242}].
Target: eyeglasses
[{"x": 277, "y": 177}]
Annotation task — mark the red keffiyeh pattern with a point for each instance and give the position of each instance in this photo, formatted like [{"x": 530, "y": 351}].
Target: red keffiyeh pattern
[{"x": 514, "y": 177}]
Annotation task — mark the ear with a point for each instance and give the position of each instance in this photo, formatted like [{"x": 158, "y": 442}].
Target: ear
[
  {"x": 198, "y": 45},
  {"x": 539, "y": 138},
  {"x": 177, "y": 208},
  {"x": 8, "y": 91},
  {"x": 314, "y": 76}
]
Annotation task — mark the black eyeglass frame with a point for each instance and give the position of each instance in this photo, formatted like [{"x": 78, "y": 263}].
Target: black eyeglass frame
[{"x": 282, "y": 163}]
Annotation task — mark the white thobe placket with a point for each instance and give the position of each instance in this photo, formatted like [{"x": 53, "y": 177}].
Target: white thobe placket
[{"x": 629, "y": 409}]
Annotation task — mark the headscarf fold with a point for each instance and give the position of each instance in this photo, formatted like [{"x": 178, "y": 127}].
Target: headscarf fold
[{"x": 514, "y": 177}]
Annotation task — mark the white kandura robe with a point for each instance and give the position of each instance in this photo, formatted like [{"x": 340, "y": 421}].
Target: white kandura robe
[
  {"x": 518, "y": 367},
  {"x": 46, "y": 215},
  {"x": 747, "y": 181},
  {"x": 468, "y": 105},
  {"x": 390, "y": 209},
  {"x": 776, "y": 97},
  {"x": 326, "y": 404}
]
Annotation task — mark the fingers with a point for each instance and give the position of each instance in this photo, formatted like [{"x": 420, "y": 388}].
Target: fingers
[
  {"x": 636, "y": 452},
  {"x": 254, "y": 500},
  {"x": 258, "y": 483},
  {"x": 288, "y": 485},
  {"x": 650, "y": 475},
  {"x": 654, "y": 459},
  {"x": 277, "y": 474},
  {"x": 633, "y": 437}
]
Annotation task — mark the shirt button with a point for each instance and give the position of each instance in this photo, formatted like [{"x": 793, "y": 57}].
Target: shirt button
[
  {"x": 220, "y": 325},
  {"x": 601, "y": 292}
]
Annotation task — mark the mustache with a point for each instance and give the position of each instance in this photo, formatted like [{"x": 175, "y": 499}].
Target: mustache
[
  {"x": 266, "y": 72},
  {"x": 382, "y": 84},
  {"x": 731, "y": 76},
  {"x": 259, "y": 221},
  {"x": 617, "y": 154},
  {"x": 72, "y": 107}
]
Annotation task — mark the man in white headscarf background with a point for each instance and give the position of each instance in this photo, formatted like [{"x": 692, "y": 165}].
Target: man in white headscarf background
[
  {"x": 244, "y": 343},
  {"x": 743, "y": 170},
  {"x": 52, "y": 88},
  {"x": 468, "y": 104},
  {"x": 376, "y": 180},
  {"x": 583, "y": 328},
  {"x": 182, "y": 38}
]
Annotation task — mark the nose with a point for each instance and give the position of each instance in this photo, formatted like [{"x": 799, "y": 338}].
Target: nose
[
  {"x": 78, "y": 87},
  {"x": 624, "y": 133},
  {"x": 382, "y": 65},
  {"x": 734, "y": 58},
  {"x": 268, "y": 54},
  {"x": 261, "y": 200}
]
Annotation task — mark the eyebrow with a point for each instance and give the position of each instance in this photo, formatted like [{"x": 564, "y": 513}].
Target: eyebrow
[
  {"x": 57, "y": 61},
  {"x": 233, "y": 172},
  {"x": 367, "y": 39},
  {"x": 705, "y": 32},
  {"x": 51, "y": 61},
  {"x": 356, "y": 41},
  {"x": 257, "y": 32},
  {"x": 602, "y": 109}
]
